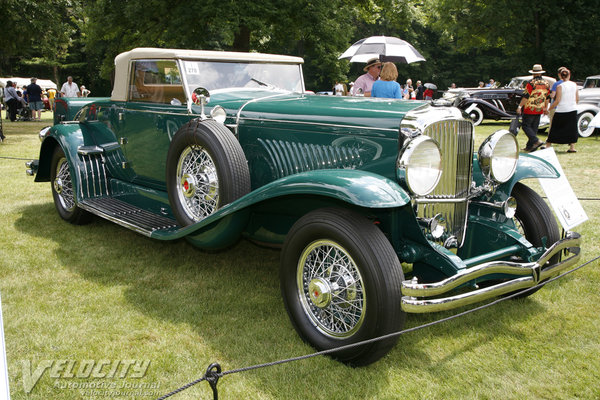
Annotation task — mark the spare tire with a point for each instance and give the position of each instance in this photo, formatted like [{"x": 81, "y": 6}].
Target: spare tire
[{"x": 206, "y": 169}]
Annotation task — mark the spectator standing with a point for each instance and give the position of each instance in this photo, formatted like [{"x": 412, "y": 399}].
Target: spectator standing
[
  {"x": 34, "y": 98},
  {"x": 12, "y": 100},
  {"x": 553, "y": 94},
  {"x": 564, "y": 124},
  {"x": 51, "y": 97},
  {"x": 70, "y": 88},
  {"x": 387, "y": 86},
  {"x": 364, "y": 83},
  {"x": 533, "y": 104},
  {"x": 408, "y": 90},
  {"x": 428, "y": 94},
  {"x": 420, "y": 90},
  {"x": 85, "y": 92}
]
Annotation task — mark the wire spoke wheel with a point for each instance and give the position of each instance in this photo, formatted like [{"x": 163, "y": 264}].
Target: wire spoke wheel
[
  {"x": 63, "y": 186},
  {"x": 331, "y": 289},
  {"x": 198, "y": 183}
]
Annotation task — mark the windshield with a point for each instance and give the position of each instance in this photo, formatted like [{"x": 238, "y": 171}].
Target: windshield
[
  {"x": 517, "y": 83},
  {"x": 214, "y": 75},
  {"x": 591, "y": 83}
]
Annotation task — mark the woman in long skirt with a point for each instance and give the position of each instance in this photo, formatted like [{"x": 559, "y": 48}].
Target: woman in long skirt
[{"x": 564, "y": 123}]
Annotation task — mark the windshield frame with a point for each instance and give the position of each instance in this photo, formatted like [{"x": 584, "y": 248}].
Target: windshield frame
[{"x": 189, "y": 86}]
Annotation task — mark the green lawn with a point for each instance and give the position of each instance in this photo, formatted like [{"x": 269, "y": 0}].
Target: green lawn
[{"x": 101, "y": 292}]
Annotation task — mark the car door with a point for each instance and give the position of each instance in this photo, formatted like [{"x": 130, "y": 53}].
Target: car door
[{"x": 155, "y": 110}]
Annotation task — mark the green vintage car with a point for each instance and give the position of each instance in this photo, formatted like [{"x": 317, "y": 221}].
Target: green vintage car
[{"x": 381, "y": 207}]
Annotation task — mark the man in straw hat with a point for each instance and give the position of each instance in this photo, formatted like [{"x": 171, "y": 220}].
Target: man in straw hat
[
  {"x": 364, "y": 83},
  {"x": 533, "y": 104}
]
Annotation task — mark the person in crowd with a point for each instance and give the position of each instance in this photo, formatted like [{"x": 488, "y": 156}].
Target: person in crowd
[
  {"x": 339, "y": 89},
  {"x": 453, "y": 85},
  {"x": 533, "y": 104},
  {"x": 491, "y": 84},
  {"x": 428, "y": 94},
  {"x": 420, "y": 91},
  {"x": 553, "y": 94},
  {"x": 387, "y": 86},
  {"x": 408, "y": 90},
  {"x": 12, "y": 100},
  {"x": 51, "y": 97},
  {"x": 564, "y": 125},
  {"x": 364, "y": 83},
  {"x": 70, "y": 88},
  {"x": 481, "y": 84},
  {"x": 34, "y": 98},
  {"x": 85, "y": 92}
]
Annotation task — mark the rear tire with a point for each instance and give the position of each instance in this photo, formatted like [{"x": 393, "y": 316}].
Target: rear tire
[
  {"x": 476, "y": 115},
  {"x": 340, "y": 281},
  {"x": 583, "y": 124},
  {"x": 63, "y": 190}
]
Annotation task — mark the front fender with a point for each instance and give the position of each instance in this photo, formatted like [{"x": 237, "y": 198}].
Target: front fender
[
  {"x": 486, "y": 107},
  {"x": 528, "y": 166},
  {"x": 67, "y": 136},
  {"x": 584, "y": 107},
  {"x": 357, "y": 188}
]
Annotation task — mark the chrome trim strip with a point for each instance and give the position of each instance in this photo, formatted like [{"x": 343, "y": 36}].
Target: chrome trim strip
[
  {"x": 239, "y": 113},
  {"x": 320, "y": 124},
  {"x": 157, "y": 112},
  {"x": 536, "y": 271}
]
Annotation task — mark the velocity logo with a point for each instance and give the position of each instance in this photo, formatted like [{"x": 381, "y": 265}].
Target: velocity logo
[{"x": 84, "y": 369}]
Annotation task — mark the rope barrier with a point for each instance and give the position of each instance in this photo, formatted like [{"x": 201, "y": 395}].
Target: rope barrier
[
  {"x": 213, "y": 373},
  {"x": 16, "y": 158}
]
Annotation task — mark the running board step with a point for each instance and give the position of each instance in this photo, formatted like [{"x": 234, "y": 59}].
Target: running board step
[{"x": 129, "y": 216}]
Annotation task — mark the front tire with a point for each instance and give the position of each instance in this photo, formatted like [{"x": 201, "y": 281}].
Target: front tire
[
  {"x": 340, "y": 281},
  {"x": 584, "y": 129},
  {"x": 63, "y": 191},
  {"x": 536, "y": 221}
]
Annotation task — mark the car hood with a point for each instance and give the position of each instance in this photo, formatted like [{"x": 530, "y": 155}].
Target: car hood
[{"x": 385, "y": 114}]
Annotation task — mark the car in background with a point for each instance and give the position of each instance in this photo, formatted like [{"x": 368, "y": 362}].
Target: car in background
[
  {"x": 214, "y": 146},
  {"x": 497, "y": 103},
  {"x": 589, "y": 105}
]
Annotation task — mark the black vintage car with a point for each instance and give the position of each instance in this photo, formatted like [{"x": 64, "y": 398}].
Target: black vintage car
[{"x": 493, "y": 102}]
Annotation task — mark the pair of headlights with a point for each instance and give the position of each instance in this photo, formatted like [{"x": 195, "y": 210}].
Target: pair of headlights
[{"x": 420, "y": 161}]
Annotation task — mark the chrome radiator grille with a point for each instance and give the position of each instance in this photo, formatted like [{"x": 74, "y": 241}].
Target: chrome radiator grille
[{"x": 450, "y": 196}]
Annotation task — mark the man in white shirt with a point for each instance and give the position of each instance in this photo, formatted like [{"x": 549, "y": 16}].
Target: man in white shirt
[{"x": 70, "y": 88}]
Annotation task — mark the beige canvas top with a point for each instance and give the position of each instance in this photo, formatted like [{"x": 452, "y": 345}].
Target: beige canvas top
[{"x": 122, "y": 62}]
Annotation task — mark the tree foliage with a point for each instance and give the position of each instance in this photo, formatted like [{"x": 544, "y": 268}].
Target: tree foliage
[{"x": 464, "y": 41}]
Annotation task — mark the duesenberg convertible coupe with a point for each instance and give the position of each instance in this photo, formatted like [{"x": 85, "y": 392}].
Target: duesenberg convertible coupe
[{"x": 381, "y": 207}]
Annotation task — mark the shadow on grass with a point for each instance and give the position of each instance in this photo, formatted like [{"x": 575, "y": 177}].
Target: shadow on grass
[{"x": 232, "y": 301}]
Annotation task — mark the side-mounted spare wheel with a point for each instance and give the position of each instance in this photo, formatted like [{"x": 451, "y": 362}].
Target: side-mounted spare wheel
[
  {"x": 63, "y": 190},
  {"x": 340, "y": 281},
  {"x": 206, "y": 169}
]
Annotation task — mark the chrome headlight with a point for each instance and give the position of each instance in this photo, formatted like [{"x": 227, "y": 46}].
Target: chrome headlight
[
  {"x": 498, "y": 156},
  {"x": 218, "y": 114},
  {"x": 420, "y": 165}
]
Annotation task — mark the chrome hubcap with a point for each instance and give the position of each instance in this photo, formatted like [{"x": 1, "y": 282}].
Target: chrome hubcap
[{"x": 331, "y": 289}]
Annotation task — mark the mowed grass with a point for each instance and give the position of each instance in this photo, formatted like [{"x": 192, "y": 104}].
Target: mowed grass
[{"x": 102, "y": 292}]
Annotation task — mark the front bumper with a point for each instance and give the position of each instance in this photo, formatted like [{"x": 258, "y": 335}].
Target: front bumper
[{"x": 428, "y": 297}]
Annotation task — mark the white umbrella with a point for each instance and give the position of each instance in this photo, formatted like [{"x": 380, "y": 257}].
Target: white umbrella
[
  {"x": 385, "y": 47},
  {"x": 430, "y": 86}
]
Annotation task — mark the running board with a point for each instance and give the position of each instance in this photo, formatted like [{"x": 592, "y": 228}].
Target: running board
[{"x": 129, "y": 216}]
